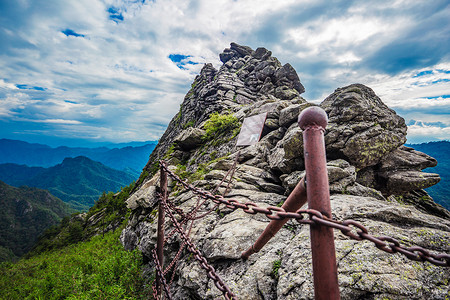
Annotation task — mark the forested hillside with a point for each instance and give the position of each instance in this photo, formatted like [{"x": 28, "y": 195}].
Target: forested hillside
[
  {"x": 78, "y": 181},
  {"x": 24, "y": 215},
  {"x": 80, "y": 258}
]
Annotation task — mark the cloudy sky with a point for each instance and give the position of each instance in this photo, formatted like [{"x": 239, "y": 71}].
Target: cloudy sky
[{"x": 81, "y": 72}]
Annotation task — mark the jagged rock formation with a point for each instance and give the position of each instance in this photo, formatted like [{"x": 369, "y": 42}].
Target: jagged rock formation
[{"x": 373, "y": 180}]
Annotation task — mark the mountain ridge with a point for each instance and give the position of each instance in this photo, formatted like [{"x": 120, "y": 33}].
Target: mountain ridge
[
  {"x": 374, "y": 179},
  {"x": 41, "y": 155},
  {"x": 78, "y": 181}
]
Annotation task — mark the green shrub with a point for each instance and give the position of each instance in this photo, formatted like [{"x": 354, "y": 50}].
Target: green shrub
[
  {"x": 219, "y": 124},
  {"x": 189, "y": 124},
  {"x": 181, "y": 171}
]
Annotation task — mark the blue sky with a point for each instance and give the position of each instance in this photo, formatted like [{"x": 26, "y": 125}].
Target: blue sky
[{"x": 81, "y": 72}]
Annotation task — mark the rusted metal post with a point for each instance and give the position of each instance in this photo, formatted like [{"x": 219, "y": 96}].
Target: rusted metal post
[
  {"x": 294, "y": 202},
  {"x": 313, "y": 121},
  {"x": 160, "y": 233}
]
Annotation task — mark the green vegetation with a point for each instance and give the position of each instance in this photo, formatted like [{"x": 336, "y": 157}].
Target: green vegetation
[
  {"x": 78, "y": 181},
  {"x": 189, "y": 124},
  {"x": 81, "y": 258},
  {"x": 221, "y": 124},
  {"x": 143, "y": 176},
  {"x": 181, "y": 171},
  {"x": 177, "y": 118},
  {"x": 109, "y": 211},
  {"x": 213, "y": 155},
  {"x": 220, "y": 213},
  {"x": 169, "y": 151},
  {"x": 153, "y": 169},
  {"x": 199, "y": 174},
  {"x": 97, "y": 269},
  {"x": 354, "y": 89},
  {"x": 25, "y": 214},
  {"x": 69, "y": 231},
  {"x": 275, "y": 267}
]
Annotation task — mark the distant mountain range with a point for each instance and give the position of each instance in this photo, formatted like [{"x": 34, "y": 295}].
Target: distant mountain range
[
  {"x": 28, "y": 164},
  {"x": 24, "y": 215},
  {"x": 131, "y": 159},
  {"x": 78, "y": 181},
  {"x": 441, "y": 152}
]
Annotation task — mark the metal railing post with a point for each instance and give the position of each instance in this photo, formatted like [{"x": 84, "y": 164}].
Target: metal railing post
[
  {"x": 160, "y": 232},
  {"x": 294, "y": 202},
  {"x": 313, "y": 121}
]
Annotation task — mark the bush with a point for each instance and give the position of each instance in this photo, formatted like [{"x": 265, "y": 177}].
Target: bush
[{"x": 218, "y": 124}]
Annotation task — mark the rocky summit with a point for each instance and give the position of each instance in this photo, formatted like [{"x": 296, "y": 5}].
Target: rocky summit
[{"x": 374, "y": 180}]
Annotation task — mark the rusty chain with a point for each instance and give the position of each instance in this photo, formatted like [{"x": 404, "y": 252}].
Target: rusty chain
[
  {"x": 231, "y": 173},
  {"x": 185, "y": 218},
  {"x": 387, "y": 244},
  {"x": 174, "y": 261},
  {"x": 159, "y": 273},
  {"x": 211, "y": 273}
]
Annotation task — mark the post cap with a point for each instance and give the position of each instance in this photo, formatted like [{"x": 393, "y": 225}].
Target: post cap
[{"x": 313, "y": 116}]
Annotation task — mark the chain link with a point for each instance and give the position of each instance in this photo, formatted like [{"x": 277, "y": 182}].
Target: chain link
[
  {"x": 160, "y": 274},
  {"x": 211, "y": 273},
  {"x": 358, "y": 232}
]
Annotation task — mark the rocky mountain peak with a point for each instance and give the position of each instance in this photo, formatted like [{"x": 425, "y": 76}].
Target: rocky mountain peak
[
  {"x": 373, "y": 179},
  {"x": 246, "y": 78}
]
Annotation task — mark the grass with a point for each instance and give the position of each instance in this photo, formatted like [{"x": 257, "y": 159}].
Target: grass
[
  {"x": 219, "y": 124},
  {"x": 191, "y": 177},
  {"x": 96, "y": 269},
  {"x": 275, "y": 267}
]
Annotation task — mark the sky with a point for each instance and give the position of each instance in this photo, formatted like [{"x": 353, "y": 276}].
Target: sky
[{"x": 86, "y": 72}]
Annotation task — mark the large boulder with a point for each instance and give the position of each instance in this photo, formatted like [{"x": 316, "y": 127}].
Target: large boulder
[
  {"x": 190, "y": 138},
  {"x": 361, "y": 128}
]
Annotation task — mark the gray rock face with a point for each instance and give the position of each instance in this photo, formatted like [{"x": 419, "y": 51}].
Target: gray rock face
[
  {"x": 373, "y": 180},
  {"x": 246, "y": 77},
  {"x": 288, "y": 153},
  {"x": 364, "y": 271},
  {"x": 362, "y": 129},
  {"x": 399, "y": 172},
  {"x": 144, "y": 197},
  {"x": 190, "y": 138}
]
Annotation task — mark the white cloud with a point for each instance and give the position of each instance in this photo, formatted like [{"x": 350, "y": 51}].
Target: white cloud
[
  {"x": 7, "y": 85},
  {"x": 422, "y": 96},
  {"x": 117, "y": 81},
  {"x": 9, "y": 105},
  {"x": 400, "y": 90},
  {"x": 420, "y": 133},
  {"x": 57, "y": 121},
  {"x": 345, "y": 32}
]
